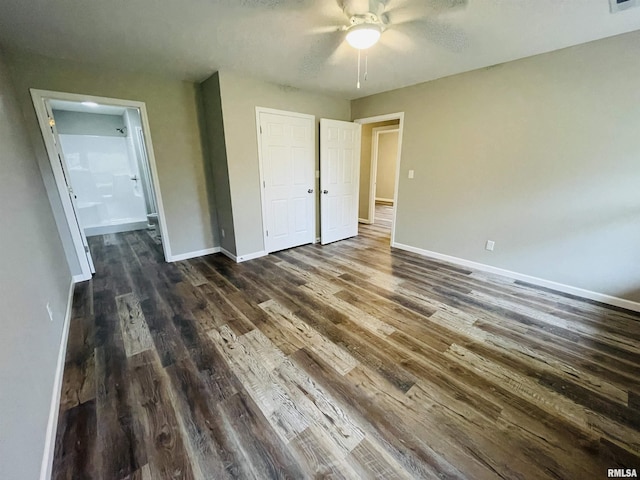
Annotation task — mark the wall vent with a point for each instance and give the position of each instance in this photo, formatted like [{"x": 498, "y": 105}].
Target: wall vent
[{"x": 621, "y": 5}]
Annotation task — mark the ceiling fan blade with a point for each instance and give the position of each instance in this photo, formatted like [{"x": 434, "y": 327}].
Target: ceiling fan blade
[
  {"x": 270, "y": 4},
  {"x": 324, "y": 30},
  {"x": 321, "y": 51},
  {"x": 397, "y": 40},
  {"x": 402, "y": 11},
  {"x": 425, "y": 7},
  {"x": 340, "y": 53}
]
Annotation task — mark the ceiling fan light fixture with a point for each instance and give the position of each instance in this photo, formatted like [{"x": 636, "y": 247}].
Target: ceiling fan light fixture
[{"x": 364, "y": 35}]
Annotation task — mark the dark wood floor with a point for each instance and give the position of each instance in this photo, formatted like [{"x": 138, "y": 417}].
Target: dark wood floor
[{"x": 340, "y": 361}]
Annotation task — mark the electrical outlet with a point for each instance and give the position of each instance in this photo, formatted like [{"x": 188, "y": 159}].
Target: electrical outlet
[
  {"x": 411, "y": 172},
  {"x": 490, "y": 244},
  {"x": 50, "y": 312},
  {"x": 222, "y": 232}
]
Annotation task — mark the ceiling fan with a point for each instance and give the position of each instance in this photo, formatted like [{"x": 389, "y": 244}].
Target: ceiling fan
[
  {"x": 368, "y": 19},
  {"x": 399, "y": 25}
]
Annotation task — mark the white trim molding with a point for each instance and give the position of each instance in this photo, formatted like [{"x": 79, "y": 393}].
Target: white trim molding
[
  {"x": 373, "y": 165},
  {"x": 541, "y": 282},
  {"x": 383, "y": 118},
  {"x": 243, "y": 258},
  {"x": 40, "y": 99},
  {"x": 52, "y": 424},
  {"x": 251, "y": 256},
  {"x": 227, "y": 253},
  {"x": 197, "y": 253},
  {"x": 80, "y": 278}
]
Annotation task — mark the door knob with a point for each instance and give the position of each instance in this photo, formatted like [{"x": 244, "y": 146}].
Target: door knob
[
  {"x": 325, "y": 191},
  {"x": 310, "y": 190}
]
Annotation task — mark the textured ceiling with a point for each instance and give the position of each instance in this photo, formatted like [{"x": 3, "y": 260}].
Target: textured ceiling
[{"x": 297, "y": 42}]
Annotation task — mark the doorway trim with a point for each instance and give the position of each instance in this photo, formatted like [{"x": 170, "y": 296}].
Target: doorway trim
[
  {"x": 373, "y": 180},
  {"x": 383, "y": 118},
  {"x": 274, "y": 111},
  {"x": 39, "y": 98}
]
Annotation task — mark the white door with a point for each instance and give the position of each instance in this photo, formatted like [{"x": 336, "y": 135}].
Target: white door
[
  {"x": 339, "y": 179},
  {"x": 69, "y": 189},
  {"x": 287, "y": 145}
]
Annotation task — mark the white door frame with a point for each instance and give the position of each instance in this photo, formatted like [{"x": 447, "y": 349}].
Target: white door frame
[
  {"x": 40, "y": 98},
  {"x": 274, "y": 111},
  {"x": 375, "y": 138},
  {"x": 383, "y": 118}
]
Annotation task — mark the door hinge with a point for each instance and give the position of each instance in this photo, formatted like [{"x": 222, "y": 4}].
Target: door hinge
[
  {"x": 267, "y": 233},
  {"x": 260, "y": 129},
  {"x": 86, "y": 249},
  {"x": 264, "y": 184}
]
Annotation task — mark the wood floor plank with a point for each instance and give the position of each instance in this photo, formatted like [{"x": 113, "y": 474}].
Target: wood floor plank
[
  {"x": 371, "y": 462},
  {"x": 391, "y": 431},
  {"x": 75, "y": 443},
  {"x": 319, "y": 459},
  {"x": 191, "y": 273},
  {"x": 296, "y": 329},
  {"x": 166, "y": 454},
  {"x": 121, "y": 454},
  {"x": 268, "y": 394},
  {"x": 135, "y": 332},
  {"x": 264, "y": 453},
  {"x": 210, "y": 451}
]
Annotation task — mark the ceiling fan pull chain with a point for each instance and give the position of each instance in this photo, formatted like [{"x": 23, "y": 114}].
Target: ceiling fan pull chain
[
  {"x": 366, "y": 65},
  {"x": 358, "y": 82}
]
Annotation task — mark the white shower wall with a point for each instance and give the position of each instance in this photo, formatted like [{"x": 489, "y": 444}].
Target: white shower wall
[{"x": 106, "y": 182}]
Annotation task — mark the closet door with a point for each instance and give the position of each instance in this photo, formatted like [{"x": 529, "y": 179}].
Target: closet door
[{"x": 287, "y": 146}]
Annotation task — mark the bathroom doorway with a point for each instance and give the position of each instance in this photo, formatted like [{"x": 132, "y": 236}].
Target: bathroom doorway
[{"x": 103, "y": 164}]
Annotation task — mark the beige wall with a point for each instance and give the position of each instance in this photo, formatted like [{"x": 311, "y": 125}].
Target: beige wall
[
  {"x": 217, "y": 158},
  {"x": 33, "y": 273},
  {"x": 365, "y": 165},
  {"x": 386, "y": 165},
  {"x": 541, "y": 155},
  {"x": 240, "y": 97},
  {"x": 172, "y": 107}
]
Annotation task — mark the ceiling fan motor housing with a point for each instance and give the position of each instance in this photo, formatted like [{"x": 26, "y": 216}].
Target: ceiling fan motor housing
[{"x": 365, "y": 11}]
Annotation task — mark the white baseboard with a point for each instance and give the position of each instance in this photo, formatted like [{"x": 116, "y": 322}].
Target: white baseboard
[
  {"x": 198, "y": 253},
  {"x": 243, "y": 258},
  {"x": 541, "y": 282},
  {"x": 385, "y": 200},
  {"x": 251, "y": 256},
  {"x": 80, "y": 278},
  {"x": 365, "y": 221},
  {"x": 318, "y": 240},
  {"x": 120, "y": 228},
  {"x": 52, "y": 424},
  {"x": 227, "y": 253}
]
